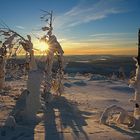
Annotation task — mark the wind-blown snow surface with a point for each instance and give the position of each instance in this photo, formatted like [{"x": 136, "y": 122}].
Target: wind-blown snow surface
[{"x": 75, "y": 115}]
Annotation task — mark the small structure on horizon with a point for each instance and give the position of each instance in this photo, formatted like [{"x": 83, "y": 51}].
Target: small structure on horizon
[{"x": 121, "y": 73}]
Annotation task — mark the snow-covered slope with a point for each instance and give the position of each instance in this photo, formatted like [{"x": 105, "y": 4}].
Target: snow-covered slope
[{"x": 75, "y": 115}]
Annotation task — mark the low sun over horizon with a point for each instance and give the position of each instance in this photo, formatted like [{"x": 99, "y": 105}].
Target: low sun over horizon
[{"x": 81, "y": 26}]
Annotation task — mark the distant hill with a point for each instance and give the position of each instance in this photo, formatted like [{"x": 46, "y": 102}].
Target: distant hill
[{"x": 97, "y": 64}]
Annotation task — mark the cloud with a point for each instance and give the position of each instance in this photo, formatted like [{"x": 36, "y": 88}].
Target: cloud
[
  {"x": 111, "y": 34},
  {"x": 20, "y": 27},
  {"x": 119, "y": 36},
  {"x": 87, "y": 11}
]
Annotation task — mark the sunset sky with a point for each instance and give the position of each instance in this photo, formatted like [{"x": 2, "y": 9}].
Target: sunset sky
[{"x": 81, "y": 26}]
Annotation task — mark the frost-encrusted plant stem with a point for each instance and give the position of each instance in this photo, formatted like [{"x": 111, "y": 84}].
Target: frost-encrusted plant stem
[
  {"x": 123, "y": 115},
  {"x": 28, "y": 105},
  {"x": 136, "y": 85},
  {"x": 54, "y": 48},
  {"x": 32, "y": 101},
  {"x": 2, "y": 72},
  {"x": 133, "y": 121}
]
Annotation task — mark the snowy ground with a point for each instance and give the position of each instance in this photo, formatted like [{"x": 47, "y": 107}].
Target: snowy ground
[{"x": 75, "y": 115}]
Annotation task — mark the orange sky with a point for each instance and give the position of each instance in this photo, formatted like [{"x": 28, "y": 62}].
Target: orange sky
[
  {"x": 119, "y": 51},
  {"x": 102, "y": 46}
]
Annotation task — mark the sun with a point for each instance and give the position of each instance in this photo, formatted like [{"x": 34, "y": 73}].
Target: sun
[{"x": 42, "y": 46}]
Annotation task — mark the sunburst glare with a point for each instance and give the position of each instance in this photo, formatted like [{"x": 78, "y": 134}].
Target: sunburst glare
[{"x": 42, "y": 46}]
